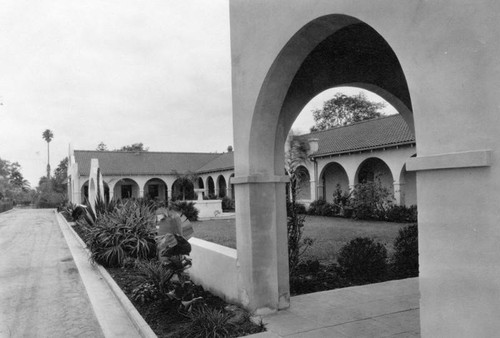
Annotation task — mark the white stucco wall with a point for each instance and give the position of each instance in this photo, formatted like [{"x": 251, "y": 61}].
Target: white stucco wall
[{"x": 450, "y": 54}]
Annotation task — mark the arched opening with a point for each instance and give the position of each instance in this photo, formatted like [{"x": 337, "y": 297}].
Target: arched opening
[
  {"x": 106, "y": 191},
  {"x": 408, "y": 187},
  {"x": 211, "y": 187},
  {"x": 330, "y": 51},
  {"x": 222, "y": 186},
  {"x": 232, "y": 186},
  {"x": 374, "y": 169},
  {"x": 126, "y": 188},
  {"x": 333, "y": 176},
  {"x": 156, "y": 189},
  {"x": 200, "y": 183},
  {"x": 183, "y": 189},
  {"x": 304, "y": 186},
  {"x": 85, "y": 191}
]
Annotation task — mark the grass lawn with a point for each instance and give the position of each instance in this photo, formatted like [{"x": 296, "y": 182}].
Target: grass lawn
[{"x": 329, "y": 234}]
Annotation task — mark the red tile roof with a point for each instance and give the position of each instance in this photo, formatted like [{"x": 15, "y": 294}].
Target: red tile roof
[
  {"x": 142, "y": 163},
  {"x": 372, "y": 134},
  {"x": 223, "y": 162},
  {"x": 382, "y": 132}
]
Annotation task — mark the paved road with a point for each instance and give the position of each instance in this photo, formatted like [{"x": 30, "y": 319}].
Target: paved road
[{"x": 41, "y": 293}]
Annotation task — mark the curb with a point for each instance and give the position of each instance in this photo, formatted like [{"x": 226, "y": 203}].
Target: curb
[{"x": 135, "y": 317}]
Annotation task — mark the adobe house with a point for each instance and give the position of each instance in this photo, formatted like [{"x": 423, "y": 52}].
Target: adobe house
[{"x": 438, "y": 64}]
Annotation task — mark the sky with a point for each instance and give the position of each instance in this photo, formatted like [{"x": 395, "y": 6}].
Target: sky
[{"x": 118, "y": 72}]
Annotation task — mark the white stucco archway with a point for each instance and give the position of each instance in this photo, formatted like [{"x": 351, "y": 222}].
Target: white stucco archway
[{"x": 333, "y": 50}]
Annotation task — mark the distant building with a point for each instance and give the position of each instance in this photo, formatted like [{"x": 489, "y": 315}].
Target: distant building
[{"x": 343, "y": 156}]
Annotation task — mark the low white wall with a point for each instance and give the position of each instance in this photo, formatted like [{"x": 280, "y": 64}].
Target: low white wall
[
  {"x": 214, "y": 268},
  {"x": 208, "y": 208}
]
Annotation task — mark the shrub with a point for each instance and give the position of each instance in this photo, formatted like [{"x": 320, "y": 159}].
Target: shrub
[
  {"x": 405, "y": 259},
  {"x": 370, "y": 200},
  {"x": 208, "y": 322},
  {"x": 362, "y": 261},
  {"x": 227, "y": 204},
  {"x": 401, "y": 214},
  {"x": 315, "y": 206},
  {"x": 5, "y": 205},
  {"x": 49, "y": 199},
  {"x": 342, "y": 202},
  {"x": 301, "y": 208},
  {"x": 296, "y": 244},
  {"x": 187, "y": 209},
  {"x": 127, "y": 231}
]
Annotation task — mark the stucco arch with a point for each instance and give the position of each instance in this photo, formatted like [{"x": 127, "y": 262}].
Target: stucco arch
[
  {"x": 126, "y": 188},
  {"x": 200, "y": 183},
  {"x": 221, "y": 186},
  {"x": 331, "y": 175},
  {"x": 304, "y": 186},
  {"x": 183, "y": 190},
  {"x": 408, "y": 186},
  {"x": 156, "y": 188},
  {"x": 210, "y": 187},
  {"x": 375, "y": 168},
  {"x": 330, "y": 51}
]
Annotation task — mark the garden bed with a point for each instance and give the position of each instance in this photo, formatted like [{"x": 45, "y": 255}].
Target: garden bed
[{"x": 166, "y": 320}]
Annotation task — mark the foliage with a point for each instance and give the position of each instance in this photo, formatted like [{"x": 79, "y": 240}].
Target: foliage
[
  {"x": 13, "y": 186},
  {"x": 134, "y": 147},
  {"x": 60, "y": 176},
  {"x": 213, "y": 323},
  {"x": 342, "y": 202},
  {"x": 48, "y": 135},
  {"x": 101, "y": 147},
  {"x": 67, "y": 209},
  {"x": 227, "y": 204},
  {"x": 370, "y": 200},
  {"x": 127, "y": 231},
  {"x": 145, "y": 293},
  {"x": 321, "y": 207},
  {"x": 295, "y": 156},
  {"x": 401, "y": 214},
  {"x": 362, "y": 261},
  {"x": 208, "y": 322},
  {"x": 156, "y": 274},
  {"x": 187, "y": 209},
  {"x": 405, "y": 258},
  {"x": 342, "y": 110},
  {"x": 49, "y": 199},
  {"x": 5, "y": 205},
  {"x": 185, "y": 182},
  {"x": 301, "y": 209}
]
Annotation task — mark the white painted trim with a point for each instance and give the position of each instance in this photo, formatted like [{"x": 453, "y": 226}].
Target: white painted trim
[
  {"x": 466, "y": 159},
  {"x": 260, "y": 179}
]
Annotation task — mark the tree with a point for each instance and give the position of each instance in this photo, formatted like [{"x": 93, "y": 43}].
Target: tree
[
  {"x": 343, "y": 110},
  {"x": 134, "y": 147},
  {"x": 48, "y": 136},
  {"x": 185, "y": 183},
  {"x": 60, "y": 176},
  {"x": 102, "y": 147},
  {"x": 295, "y": 155}
]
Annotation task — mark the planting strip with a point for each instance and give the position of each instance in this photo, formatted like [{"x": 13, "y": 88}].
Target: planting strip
[{"x": 130, "y": 326}]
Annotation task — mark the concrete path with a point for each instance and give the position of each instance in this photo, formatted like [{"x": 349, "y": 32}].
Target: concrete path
[
  {"x": 389, "y": 309},
  {"x": 41, "y": 293},
  {"x": 41, "y": 288}
]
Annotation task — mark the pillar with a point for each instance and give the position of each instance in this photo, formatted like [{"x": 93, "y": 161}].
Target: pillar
[
  {"x": 398, "y": 192},
  {"x": 262, "y": 245}
]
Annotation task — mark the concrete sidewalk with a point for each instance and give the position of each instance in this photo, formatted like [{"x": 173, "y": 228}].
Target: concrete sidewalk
[
  {"x": 48, "y": 288},
  {"x": 389, "y": 309}
]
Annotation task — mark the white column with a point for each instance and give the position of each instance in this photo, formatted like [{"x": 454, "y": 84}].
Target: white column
[{"x": 261, "y": 237}]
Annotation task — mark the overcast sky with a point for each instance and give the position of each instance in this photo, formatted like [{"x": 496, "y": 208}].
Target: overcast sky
[{"x": 120, "y": 72}]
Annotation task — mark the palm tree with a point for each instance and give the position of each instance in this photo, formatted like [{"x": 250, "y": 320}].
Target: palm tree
[{"x": 48, "y": 136}]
